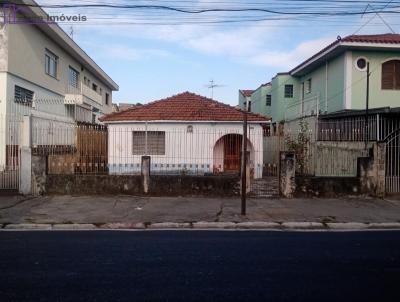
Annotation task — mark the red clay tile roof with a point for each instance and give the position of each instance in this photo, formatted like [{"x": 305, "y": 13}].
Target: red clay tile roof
[
  {"x": 246, "y": 92},
  {"x": 186, "y": 106},
  {"x": 381, "y": 38}
]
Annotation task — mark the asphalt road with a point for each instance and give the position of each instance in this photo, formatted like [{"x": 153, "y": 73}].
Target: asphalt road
[{"x": 199, "y": 266}]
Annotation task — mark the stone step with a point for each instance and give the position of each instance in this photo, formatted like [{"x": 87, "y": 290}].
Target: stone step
[{"x": 267, "y": 187}]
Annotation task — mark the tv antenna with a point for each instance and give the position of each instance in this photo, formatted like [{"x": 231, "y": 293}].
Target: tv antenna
[
  {"x": 211, "y": 86},
  {"x": 71, "y": 32}
]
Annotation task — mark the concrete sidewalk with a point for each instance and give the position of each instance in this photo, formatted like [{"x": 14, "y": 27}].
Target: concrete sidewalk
[{"x": 81, "y": 212}]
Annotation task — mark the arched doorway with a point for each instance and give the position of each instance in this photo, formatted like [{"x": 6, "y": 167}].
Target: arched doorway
[
  {"x": 227, "y": 153},
  {"x": 232, "y": 152}
]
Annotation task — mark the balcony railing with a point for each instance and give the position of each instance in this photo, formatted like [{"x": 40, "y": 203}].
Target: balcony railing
[
  {"x": 303, "y": 108},
  {"x": 75, "y": 95}
]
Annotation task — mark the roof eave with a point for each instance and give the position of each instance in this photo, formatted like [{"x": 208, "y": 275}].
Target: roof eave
[
  {"x": 340, "y": 47},
  {"x": 180, "y": 121},
  {"x": 59, "y": 35}
]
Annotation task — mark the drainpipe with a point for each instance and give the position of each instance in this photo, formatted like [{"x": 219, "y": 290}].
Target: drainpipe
[
  {"x": 367, "y": 109},
  {"x": 326, "y": 86}
]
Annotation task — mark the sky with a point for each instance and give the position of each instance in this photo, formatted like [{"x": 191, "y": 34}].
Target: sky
[{"x": 153, "y": 53}]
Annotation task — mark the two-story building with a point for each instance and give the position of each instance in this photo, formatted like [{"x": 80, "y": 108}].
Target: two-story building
[
  {"x": 42, "y": 67},
  {"x": 43, "y": 72},
  {"x": 335, "y": 79}
]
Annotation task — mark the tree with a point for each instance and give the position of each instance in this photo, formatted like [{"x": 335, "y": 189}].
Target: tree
[{"x": 300, "y": 145}]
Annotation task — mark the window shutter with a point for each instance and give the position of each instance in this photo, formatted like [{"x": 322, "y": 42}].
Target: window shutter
[
  {"x": 388, "y": 75},
  {"x": 397, "y": 75}
]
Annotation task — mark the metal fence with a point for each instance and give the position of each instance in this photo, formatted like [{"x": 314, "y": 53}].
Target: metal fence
[
  {"x": 317, "y": 158},
  {"x": 45, "y": 114},
  {"x": 392, "y": 165},
  {"x": 354, "y": 128},
  {"x": 118, "y": 149}
]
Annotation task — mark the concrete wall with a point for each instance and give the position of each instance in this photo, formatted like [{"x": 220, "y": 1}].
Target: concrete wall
[
  {"x": 219, "y": 186},
  {"x": 279, "y": 102},
  {"x": 3, "y": 46},
  {"x": 378, "y": 96},
  {"x": 258, "y": 100},
  {"x": 329, "y": 187},
  {"x": 3, "y": 118},
  {"x": 197, "y": 150},
  {"x": 243, "y": 101},
  {"x": 371, "y": 171},
  {"x": 327, "y": 85}
]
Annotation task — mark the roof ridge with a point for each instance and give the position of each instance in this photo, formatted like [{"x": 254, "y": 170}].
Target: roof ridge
[{"x": 199, "y": 108}]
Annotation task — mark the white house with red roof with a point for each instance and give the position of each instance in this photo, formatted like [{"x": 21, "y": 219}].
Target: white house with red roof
[{"x": 184, "y": 134}]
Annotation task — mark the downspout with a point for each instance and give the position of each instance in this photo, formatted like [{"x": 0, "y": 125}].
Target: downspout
[{"x": 326, "y": 86}]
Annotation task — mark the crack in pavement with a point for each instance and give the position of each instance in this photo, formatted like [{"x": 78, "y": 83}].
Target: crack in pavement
[
  {"x": 17, "y": 203},
  {"x": 219, "y": 213}
]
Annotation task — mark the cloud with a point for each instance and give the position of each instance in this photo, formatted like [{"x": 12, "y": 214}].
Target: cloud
[
  {"x": 256, "y": 44},
  {"x": 122, "y": 52},
  {"x": 287, "y": 59}
]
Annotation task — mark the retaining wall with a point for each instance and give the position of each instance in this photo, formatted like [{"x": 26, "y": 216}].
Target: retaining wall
[{"x": 160, "y": 185}]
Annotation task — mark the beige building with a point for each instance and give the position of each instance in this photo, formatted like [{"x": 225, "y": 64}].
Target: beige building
[{"x": 43, "y": 68}]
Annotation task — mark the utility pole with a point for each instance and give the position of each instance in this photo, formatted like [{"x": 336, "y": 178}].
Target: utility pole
[
  {"x": 367, "y": 109},
  {"x": 244, "y": 164}
]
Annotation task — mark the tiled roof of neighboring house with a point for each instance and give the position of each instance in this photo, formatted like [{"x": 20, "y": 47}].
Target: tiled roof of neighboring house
[
  {"x": 381, "y": 38},
  {"x": 186, "y": 106},
  {"x": 246, "y": 92}
]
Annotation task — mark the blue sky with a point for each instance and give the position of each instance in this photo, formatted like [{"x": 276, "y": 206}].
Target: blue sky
[{"x": 153, "y": 61}]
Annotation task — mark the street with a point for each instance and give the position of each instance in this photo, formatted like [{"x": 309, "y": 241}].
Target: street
[{"x": 199, "y": 266}]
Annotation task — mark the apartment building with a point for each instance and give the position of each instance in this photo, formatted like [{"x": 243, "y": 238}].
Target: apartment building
[
  {"x": 334, "y": 80},
  {"x": 43, "y": 68}
]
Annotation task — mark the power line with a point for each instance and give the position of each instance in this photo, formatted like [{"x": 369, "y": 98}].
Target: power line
[{"x": 210, "y": 10}]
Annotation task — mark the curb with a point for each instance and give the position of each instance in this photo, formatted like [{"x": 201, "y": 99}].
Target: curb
[{"x": 204, "y": 225}]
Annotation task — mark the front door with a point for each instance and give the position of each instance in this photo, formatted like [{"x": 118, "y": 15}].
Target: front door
[{"x": 232, "y": 150}]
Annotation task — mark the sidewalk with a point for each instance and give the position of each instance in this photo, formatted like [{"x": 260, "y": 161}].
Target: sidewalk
[{"x": 120, "y": 212}]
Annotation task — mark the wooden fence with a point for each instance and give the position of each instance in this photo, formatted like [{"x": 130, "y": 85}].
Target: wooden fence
[{"x": 88, "y": 155}]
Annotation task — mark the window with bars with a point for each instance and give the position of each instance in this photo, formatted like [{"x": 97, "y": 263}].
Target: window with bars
[
  {"x": 22, "y": 95},
  {"x": 155, "y": 143},
  {"x": 268, "y": 101},
  {"x": 51, "y": 62},
  {"x": 73, "y": 77},
  {"x": 288, "y": 91},
  {"x": 391, "y": 75},
  {"x": 308, "y": 86}
]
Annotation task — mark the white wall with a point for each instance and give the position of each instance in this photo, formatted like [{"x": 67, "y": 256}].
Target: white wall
[
  {"x": 26, "y": 58},
  {"x": 45, "y": 100},
  {"x": 194, "y": 152},
  {"x": 3, "y": 97}
]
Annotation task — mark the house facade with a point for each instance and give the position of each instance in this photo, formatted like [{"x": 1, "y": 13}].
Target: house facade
[
  {"x": 184, "y": 134},
  {"x": 335, "y": 79},
  {"x": 245, "y": 99},
  {"x": 43, "y": 68},
  {"x": 45, "y": 73}
]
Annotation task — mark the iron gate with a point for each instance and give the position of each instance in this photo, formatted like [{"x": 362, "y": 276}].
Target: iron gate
[
  {"x": 10, "y": 136},
  {"x": 392, "y": 177}
]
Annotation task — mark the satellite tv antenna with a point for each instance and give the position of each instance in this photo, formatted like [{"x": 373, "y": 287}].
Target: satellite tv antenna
[{"x": 211, "y": 86}]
